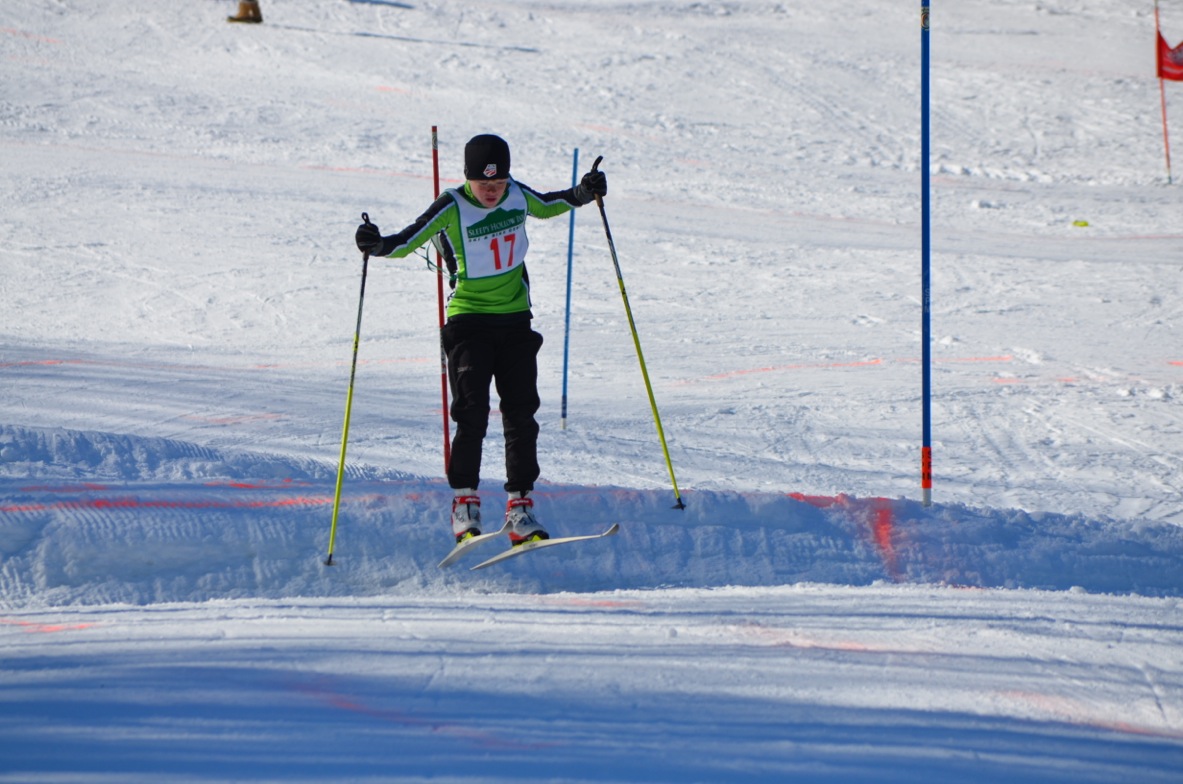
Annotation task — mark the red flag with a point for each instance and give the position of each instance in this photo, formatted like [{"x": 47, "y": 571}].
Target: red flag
[{"x": 1170, "y": 61}]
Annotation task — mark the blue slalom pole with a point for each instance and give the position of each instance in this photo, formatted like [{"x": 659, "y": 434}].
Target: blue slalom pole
[
  {"x": 567, "y": 327},
  {"x": 925, "y": 264}
]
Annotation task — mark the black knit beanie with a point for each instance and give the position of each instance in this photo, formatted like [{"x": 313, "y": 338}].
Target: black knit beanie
[{"x": 486, "y": 157}]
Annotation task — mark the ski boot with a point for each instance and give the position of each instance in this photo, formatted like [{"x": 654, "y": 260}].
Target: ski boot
[
  {"x": 466, "y": 515},
  {"x": 523, "y": 526}
]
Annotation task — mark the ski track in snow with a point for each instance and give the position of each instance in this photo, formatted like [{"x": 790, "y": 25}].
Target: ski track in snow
[{"x": 180, "y": 289}]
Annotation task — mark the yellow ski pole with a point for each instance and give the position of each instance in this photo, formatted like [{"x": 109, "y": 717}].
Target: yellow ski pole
[
  {"x": 637, "y": 342},
  {"x": 365, "y": 263}
]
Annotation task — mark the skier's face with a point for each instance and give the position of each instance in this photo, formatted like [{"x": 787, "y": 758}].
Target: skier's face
[{"x": 488, "y": 192}]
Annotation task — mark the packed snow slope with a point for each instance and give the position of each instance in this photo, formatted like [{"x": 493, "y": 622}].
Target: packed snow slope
[{"x": 180, "y": 294}]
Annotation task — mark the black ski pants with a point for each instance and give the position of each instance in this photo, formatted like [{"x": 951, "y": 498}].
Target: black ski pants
[{"x": 480, "y": 354}]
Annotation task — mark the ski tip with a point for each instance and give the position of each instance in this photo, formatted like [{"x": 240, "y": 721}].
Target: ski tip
[
  {"x": 463, "y": 546},
  {"x": 538, "y": 544}
]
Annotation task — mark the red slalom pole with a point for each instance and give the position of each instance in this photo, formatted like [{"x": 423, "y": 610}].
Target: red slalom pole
[{"x": 439, "y": 286}]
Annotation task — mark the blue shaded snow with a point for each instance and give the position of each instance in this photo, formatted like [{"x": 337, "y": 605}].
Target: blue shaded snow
[{"x": 90, "y": 518}]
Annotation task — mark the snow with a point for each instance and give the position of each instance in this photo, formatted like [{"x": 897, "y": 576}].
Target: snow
[{"x": 180, "y": 295}]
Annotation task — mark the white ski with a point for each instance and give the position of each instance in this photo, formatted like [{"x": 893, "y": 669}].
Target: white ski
[
  {"x": 528, "y": 547},
  {"x": 463, "y": 547}
]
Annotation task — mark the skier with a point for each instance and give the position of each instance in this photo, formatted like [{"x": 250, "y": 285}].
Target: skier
[{"x": 481, "y": 230}]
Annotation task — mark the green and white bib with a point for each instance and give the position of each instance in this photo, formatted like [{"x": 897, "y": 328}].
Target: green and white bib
[
  {"x": 490, "y": 261},
  {"x": 495, "y": 240}
]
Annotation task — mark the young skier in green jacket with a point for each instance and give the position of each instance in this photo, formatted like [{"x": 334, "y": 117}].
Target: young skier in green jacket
[{"x": 488, "y": 337}]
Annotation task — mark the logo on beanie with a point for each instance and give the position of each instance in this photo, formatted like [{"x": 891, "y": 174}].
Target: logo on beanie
[{"x": 486, "y": 157}]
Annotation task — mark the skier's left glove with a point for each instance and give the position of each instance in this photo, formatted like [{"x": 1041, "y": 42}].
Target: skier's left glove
[
  {"x": 593, "y": 184},
  {"x": 369, "y": 238}
]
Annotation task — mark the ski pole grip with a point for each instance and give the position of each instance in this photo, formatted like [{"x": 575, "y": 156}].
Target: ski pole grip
[
  {"x": 599, "y": 199},
  {"x": 365, "y": 256}
]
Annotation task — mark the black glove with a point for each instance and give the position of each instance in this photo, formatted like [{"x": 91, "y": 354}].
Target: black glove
[
  {"x": 593, "y": 184},
  {"x": 369, "y": 239}
]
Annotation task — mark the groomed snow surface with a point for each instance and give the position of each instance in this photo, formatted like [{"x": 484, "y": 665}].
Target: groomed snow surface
[{"x": 181, "y": 293}]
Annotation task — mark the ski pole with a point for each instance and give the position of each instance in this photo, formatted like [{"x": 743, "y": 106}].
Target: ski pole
[
  {"x": 567, "y": 318},
  {"x": 365, "y": 263},
  {"x": 637, "y": 342},
  {"x": 439, "y": 288}
]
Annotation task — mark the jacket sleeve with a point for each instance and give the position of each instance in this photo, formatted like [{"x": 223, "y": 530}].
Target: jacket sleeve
[
  {"x": 548, "y": 205},
  {"x": 438, "y": 217}
]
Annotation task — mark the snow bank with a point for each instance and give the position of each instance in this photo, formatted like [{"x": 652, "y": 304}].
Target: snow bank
[{"x": 96, "y": 517}]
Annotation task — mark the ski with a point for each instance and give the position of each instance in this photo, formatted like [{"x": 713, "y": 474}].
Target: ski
[
  {"x": 539, "y": 544},
  {"x": 464, "y": 546}
]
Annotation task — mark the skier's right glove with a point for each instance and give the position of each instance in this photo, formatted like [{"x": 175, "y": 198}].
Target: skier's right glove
[{"x": 369, "y": 238}]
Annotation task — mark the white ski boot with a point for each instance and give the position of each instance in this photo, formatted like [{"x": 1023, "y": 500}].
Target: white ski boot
[
  {"x": 523, "y": 526},
  {"x": 466, "y": 514}
]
